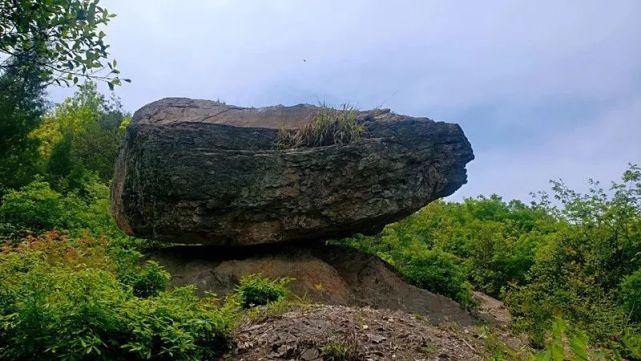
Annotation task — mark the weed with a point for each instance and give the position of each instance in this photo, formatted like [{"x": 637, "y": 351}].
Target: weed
[
  {"x": 341, "y": 349},
  {"x": 256, "y": 290},
  {"x": 328, "y": 127}
]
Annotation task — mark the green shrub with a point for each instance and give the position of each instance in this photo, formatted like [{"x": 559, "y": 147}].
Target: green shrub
[
  {"x": 256, "y": 290},
  {"x": 63, "y": 299},
  {"x": 630, "y": 295},
  {"x": 439, "y": 272},
  {"x": 577, "y": 256},
  {"x": 150, "y": 280},
  {"x": 176, "y": 325},
  {"x": 37, "y": 208},
  {"x": 568, "y": 343},
  {"x": 432, "y": 269},
  {"x": 329, "y": 126}
]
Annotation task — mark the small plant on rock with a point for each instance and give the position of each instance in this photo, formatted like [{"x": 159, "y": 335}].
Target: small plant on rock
[
  {"x": 328, "y": 127},
  {"x": 345, "y": 349}
]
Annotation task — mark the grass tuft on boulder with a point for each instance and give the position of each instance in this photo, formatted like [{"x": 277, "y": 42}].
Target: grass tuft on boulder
[{"x": 328, "y": 127}]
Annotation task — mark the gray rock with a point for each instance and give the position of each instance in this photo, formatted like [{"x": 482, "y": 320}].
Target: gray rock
[{"x": 202, "y": 172}]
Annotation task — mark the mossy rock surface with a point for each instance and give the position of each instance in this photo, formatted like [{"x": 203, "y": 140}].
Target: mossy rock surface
[{"x": 202, "y": 172}]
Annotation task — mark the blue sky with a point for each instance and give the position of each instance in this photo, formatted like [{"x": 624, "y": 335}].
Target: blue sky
[{"x": 543, "y": 89}]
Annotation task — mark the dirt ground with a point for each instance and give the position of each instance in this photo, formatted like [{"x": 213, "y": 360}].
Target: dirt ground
[
  {"x": 329, "y": 332},
  {"x": 356, "y": 307}
]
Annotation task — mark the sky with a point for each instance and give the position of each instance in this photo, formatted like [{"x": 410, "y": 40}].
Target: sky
[{"x": 543, "y": 89}]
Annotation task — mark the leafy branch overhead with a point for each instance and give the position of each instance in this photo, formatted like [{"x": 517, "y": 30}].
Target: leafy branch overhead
[{"x": 62, "y": 38}]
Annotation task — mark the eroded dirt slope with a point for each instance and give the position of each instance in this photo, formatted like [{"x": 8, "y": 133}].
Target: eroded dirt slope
[{"x": 318, "y": 332}]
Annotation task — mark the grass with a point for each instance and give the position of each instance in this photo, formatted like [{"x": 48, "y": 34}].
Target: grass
[
  {"x": 343, "y": 349},
  {"x": 328, "y": 127}
]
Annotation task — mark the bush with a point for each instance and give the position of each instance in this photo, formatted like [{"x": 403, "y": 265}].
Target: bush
[
  {"x": 439, "y": 272},
  {"x": 566, "y": 342},
  {"x": 176, "y": 325},
  {"x": 150, "y": 280},
  {"x": 37, "y": 208},
  {"x": 630, "y": 295},
  {"x": 329, "y": 126},
  {"x": 577, "y": 256},
  {"x": 63, "y": 298},
  {"x": 256, "y": 290}
]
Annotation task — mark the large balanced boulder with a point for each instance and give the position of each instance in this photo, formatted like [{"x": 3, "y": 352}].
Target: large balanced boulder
[{"x": 202, "y": 172}]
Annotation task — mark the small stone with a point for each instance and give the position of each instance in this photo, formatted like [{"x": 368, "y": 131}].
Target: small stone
[
  {"x": 376, "y": 338},
  {"x": 310, "y": 354}
]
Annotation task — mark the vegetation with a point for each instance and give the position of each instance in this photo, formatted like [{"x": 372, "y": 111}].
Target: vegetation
[
  {"x": 344, "y": 349},
  {"x": 329, "y": 126},
  {"x": 256, "y": 290},
  {"x": 570, "y": 254},
  {"x": 22, "y": 105},
  {"x": 564, "y": 342},
  {"x": 59, "y": 38},
  {"x": 74, "y": 287},
  {"x": 87, "y": 298}
]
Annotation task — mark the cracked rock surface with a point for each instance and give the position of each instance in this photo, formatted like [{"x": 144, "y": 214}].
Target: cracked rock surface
[{"x": 202, "y": 172}]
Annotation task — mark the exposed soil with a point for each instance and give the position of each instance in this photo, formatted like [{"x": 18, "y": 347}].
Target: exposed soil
[
  {"x": 355, "y": 303},
  {"x": 318, "y": 331},
  {"x": 322, "y": 274},
  {"x": 491, "y": 310}
]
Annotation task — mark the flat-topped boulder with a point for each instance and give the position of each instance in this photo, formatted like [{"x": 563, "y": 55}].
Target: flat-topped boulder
[{"x": 203, "y": 172}]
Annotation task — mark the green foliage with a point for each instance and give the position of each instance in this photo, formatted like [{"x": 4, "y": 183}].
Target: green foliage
[
  {"x": 329, "y": 126},
  {"x": 80, "y": 137},
  {"x": 60, "y": 38},
  {"x": 62, "y": 298},
  {"x": 22, "y": 105},
  {"x": 43, "y": 42},
  {"x": 176, "y": 325},
  {"x": 630, "y": 295},
  {"x": 577, "y": 256},
  {"x": 439, "y": 272},
  {"x": 150, "y": 280},
  {"x": 256, "y": 290},
  {"x": 632, "y": 343},
  {"x": 38, "y": 208},
  {"x": 579, "y": 271},
  {"x": 568, "y": 343},
  {"x": 343, "y": 349}
]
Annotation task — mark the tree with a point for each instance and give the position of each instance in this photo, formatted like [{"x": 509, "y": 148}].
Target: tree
[
  {"x": 80, "y": 136},
  {"x": 44, "y": 42},
  {"x": 60, "y": 38},
  {"x": 22, "y": 105}
]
